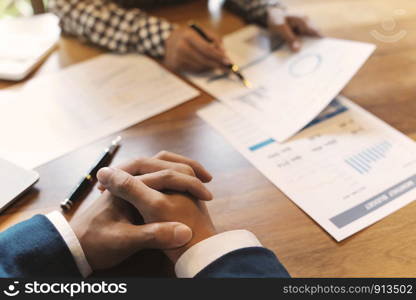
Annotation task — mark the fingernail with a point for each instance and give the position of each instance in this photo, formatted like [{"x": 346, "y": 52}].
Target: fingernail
[
  {"x": 104, "y": 175},
  {"x": 182, "y": 234},
  {"x": 208, "y": 195},
  {"x": 209, "y": 177},
  {"x": 296, "y": 45}
]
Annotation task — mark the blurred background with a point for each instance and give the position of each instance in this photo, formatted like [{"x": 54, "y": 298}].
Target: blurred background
[{"x": 15, "y": 8}]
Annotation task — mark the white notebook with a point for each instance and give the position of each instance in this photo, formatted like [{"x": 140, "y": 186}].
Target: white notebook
[
  {"x": 14, "y": 181},
  {"x": 25, "y": 42}
]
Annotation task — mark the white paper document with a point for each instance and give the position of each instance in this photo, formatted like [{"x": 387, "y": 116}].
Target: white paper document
[
  {"x": 289, "y": 89},
  {"x": 346, "y": 170},
  {"x": 55, "y": 114}
]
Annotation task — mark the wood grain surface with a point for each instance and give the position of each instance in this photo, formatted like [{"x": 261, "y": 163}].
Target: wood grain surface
[{"x": 385, "y": 86}]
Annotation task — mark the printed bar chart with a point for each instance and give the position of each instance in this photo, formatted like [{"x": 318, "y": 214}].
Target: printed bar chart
[{"x": 365, "y": 160}]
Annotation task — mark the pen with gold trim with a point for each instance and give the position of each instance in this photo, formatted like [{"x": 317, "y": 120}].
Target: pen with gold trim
[
  {"x": 232, "y": 67},
  {"x": 88, "y": 180}
]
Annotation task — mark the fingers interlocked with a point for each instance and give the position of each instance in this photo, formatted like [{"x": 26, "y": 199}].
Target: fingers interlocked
[
  {"x": 143, "y": 181},
  {"x": 147, "y": 189}
]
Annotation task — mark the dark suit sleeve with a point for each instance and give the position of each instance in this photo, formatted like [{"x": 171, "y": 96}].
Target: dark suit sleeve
[
  {"x": 35, "y": 248},
  {"x": 252, "y": 262}
]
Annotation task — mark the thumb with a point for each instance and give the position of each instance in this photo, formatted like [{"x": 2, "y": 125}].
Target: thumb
[{"x": 164, "y": 235}]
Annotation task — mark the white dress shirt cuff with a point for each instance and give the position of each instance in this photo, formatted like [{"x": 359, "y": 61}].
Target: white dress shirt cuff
[
  {"x": 71, "y": 240},
  {"x": 207, "y": 251}
]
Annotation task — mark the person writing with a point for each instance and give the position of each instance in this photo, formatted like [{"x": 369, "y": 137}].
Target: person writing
[
  {"x": 168, "y": 191},
  {"x": 123, "y": 26}
]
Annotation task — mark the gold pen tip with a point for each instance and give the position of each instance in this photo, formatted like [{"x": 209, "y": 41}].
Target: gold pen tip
[{"x": 247, "y": 83}]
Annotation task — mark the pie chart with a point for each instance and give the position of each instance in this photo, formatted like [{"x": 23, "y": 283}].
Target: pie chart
[{"x": 305, "y": 65}]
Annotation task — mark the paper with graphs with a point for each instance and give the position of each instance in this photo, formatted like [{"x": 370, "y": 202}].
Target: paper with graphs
[
  {"x": 55, "y": 114},
  {"x": 289, "y": 89},
  {"x": 346, "y": 170}
]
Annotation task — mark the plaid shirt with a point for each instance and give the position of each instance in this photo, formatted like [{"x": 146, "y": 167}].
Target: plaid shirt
[{"x": 120, "y": 26}]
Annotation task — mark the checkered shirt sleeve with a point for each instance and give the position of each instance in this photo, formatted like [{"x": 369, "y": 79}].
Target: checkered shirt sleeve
[
  {"x": 108, "y": 25},
  {"x": 119, "y": 29}
]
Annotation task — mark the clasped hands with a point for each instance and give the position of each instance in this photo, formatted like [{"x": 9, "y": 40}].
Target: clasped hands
[{"x": 167, "y": 190}]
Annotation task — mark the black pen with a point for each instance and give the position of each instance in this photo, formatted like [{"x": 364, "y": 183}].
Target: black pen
[
  {"x": 232, "y": 67},
  {"x": 88, "y": 180}
]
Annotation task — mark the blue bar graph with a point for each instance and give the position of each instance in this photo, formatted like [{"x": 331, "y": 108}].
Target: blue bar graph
[
  {"x": 363, "y": 161},
  {"x": 355, "y": 166},
  {"x": 261, "y": 144}
]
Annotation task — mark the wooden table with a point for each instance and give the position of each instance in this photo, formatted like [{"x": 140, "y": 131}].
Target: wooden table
[{"x": 386, "y": 86}]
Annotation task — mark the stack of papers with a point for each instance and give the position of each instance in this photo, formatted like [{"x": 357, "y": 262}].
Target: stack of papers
[{"x": 346, "y": 169}]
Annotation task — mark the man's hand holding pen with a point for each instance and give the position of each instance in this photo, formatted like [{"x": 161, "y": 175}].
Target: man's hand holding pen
[
  {"x": 186, "y": 50},
  {"x": 196, "y": 50}
]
